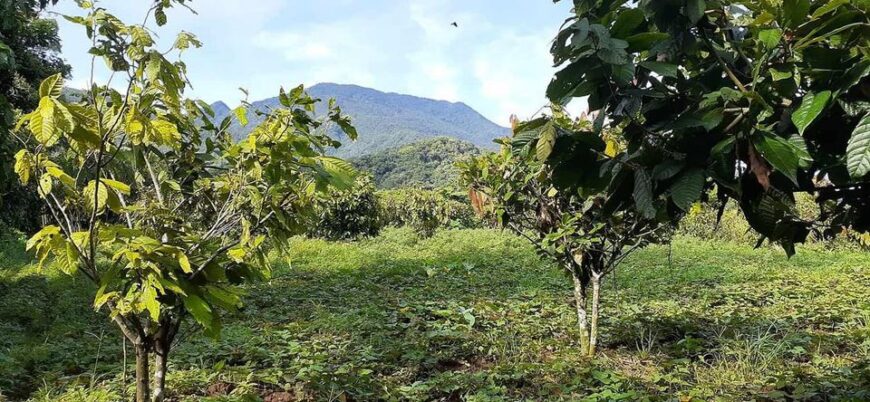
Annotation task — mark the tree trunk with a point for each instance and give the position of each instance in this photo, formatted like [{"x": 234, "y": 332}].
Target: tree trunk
[
  {"x": 143, "y": 386},
  {"x": 596, "y": 302},
  {"x": 162, "y": 344},
  {"x": 580, "y": 306},
  {"x": 161, "y": 358}
]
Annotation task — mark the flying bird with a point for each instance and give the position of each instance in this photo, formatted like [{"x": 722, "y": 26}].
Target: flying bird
[{"x": 455, "y": 24}]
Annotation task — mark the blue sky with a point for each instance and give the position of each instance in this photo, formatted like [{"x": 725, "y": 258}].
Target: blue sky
[{"x": 497, "y": 61}]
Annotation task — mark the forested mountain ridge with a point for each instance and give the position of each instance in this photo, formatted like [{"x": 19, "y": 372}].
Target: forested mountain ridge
[
  {"x": 424, "y": 164},
  {"x": 389, "y": 120}
]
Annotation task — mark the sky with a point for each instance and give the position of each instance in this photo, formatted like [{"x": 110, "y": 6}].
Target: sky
[{"x": 497, "y": 60}]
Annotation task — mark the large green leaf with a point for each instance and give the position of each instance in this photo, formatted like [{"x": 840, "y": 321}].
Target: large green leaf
[
  {"x": 42, "y": 123},
  {"x": 687, "y": 189},
  {"x": 23, "y": 165},
  {"x": 858, "y": 149},
  {"x": 795, "y": 12},
  {"x": 695, "y": 10},
  {"x": 546, "y": 142},
  {"x": 663, "y": 69},
  {"x": 643, "y": 195},
  {"x": 626, "y": 22},
  {"x": 779, "y": 152},
  {"x": 810, "y": 108},
  {"x": 95, "y": 196},
  {"x": 51, "y": 86},
  {"x": 770, "y": 37}
]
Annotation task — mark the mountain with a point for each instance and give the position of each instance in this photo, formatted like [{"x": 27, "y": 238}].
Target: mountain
[
  {"x": 427, "y": 163},
  {"x": 389, "y": 120}
]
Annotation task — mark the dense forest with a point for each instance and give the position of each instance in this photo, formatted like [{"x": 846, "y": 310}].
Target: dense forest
[{"x": 423, "y": 164}]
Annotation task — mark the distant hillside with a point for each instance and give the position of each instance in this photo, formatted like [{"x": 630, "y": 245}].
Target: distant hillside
[
  {"x": 388, "y": 120},
  {"x": 427, "y": 163}
]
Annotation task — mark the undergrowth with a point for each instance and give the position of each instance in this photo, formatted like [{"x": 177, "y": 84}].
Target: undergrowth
[{"x": 473, "y": 315}]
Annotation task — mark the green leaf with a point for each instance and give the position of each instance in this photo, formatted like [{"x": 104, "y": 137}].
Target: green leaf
[
  {"x": 95, "y": 196},
  {"x": 341, "y": 172},
  {"x": 858, "y": 149},
  {"x": 695, "y": 10},
  {"x": 667, "y": 169},
  {"x": 59, "y": 174},
  {"x": 51, "y": 87},
  {"x": 795, "y": 12},
  {"x": 242, "y": 114},
  {"x": 546, "y": 142},
  {"x": 663, "y": 69},
  {"x": 779, "y": 152},
  {"x": 118, "y": 186},
  {"x": 645, "y": 40},
  {"x": 184, "y": 263},
  {"x": 23, "y": 165},
  {"x": 779, "y": 75},
  {"x": 44, "y": 233},
  {"x": 199, "y": 309},
  {"x": 626, "y": 22},
  {"x": 810, "y": 108},
  {"x": 830, "y": 6},
  {"x": 42, "y": 123},
  {"x": 687, "y": 189},
  {"x": 770, "y": 37},
  {"x": 643, "y": 196},
  {"x": 45, "y": 184}
]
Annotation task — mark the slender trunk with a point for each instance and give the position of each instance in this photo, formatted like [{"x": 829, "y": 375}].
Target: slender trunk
[
  {"x": 143, "y": 386},
  {"x": 580, "y": 306},
  {"x": 596, "y": 302},
  {"x": 162, "y": 344},
  {"x": 161, "y": 358}
]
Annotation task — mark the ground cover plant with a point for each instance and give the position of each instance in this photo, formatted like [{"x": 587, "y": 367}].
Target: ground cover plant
[{"x": 475, "y": 315}]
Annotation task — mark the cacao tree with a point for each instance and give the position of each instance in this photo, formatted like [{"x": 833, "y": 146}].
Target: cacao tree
[
  {"x": 162, "y": 210},
  {"x": 561, "y": 207},
  {"x": 761, "y": 99}
]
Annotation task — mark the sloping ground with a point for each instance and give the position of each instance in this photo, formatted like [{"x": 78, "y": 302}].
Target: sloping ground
[{"x": 474, "y": 315}]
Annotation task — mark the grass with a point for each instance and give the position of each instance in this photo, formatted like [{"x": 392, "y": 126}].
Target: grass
[{"x": 474, "y": 315}]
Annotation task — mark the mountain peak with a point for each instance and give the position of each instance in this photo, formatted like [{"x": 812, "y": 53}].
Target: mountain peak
[
  {"x": 220, "y": 108},
  {"x": 387, "y": 120}
]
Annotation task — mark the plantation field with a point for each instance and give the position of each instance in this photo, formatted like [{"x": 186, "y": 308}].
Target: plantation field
[{"x": 473, "y": 315}]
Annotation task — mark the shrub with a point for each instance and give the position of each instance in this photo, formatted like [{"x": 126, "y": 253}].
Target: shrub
[
  {"x": 350, "y": 214},
  {"x": 426, "y": 210}
]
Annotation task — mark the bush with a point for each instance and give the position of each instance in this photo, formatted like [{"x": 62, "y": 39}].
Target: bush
[
  {"x": 426, "y": 210},
  {"x": 351, "y": 214}
]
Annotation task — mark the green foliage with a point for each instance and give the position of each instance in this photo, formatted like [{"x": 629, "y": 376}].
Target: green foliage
[
  {"x": 349, "y": 214},
  {"x": 561, "y": 207},
  {"x": 425, "y": 164},
  {"x": 161, "y": 209},
  {"x": 763, "y": 97},
  {"x": 29, "y": 47},
  {"x": 388, "y": 319},
  {"x": 425, "y": 211}
]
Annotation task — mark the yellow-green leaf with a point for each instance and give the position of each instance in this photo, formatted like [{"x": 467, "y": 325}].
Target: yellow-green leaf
[
  {"x": 51, "y": 86},
  {"x": 546, "y": 142},
  {"x": 45, "y": 184},
  {"x": 184, "y": 263},
  {"x": 23, "y": 165},
  {"x": 42, "y": 123},
  {"x": 118, "y": 186},
  {"x": 96, "y": 196}
]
